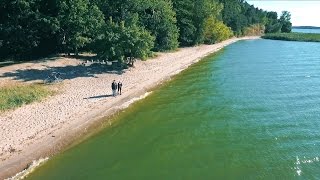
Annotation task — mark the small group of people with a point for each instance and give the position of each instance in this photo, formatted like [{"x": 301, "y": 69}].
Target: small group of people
[{"x": 116, "y": 86}]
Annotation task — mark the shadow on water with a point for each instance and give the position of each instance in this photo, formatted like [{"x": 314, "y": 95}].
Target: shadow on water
[{"x": 67, "y": 72}]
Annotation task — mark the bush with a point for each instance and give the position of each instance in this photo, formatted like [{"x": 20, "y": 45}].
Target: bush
[
  {"x": 216, "y": 31},
  {"x": 254, "y": 30}
]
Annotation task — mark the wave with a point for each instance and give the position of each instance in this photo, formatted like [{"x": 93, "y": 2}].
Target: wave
[
  {"x": 128, "y": 103},
  {"x": 36, "y": 163},
  {"x": 23, "y": 174}
]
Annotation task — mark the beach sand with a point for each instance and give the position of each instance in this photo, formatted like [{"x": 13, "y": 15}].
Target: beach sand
[{"x": 42, "y": 129}]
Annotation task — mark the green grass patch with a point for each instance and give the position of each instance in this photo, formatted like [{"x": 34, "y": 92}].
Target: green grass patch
[
  {"x": 307, "y": 37},
  {"x": 17, "y": 95}
]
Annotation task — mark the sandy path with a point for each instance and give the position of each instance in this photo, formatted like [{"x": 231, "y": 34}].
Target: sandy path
[{"x": 39, "y": 129}]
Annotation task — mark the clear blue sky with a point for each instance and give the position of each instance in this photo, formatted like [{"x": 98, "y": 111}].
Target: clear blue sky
[{"x": 303, "y": 13}]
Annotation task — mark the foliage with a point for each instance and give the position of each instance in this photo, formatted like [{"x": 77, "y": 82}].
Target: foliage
[
  {"x": 204, "y": 9},
  {"x": 239, "y": 15},
  {"x": 157, "y": 17},
  {"x": 216, "y": 31},
  {"x": 192, "y": 17},
  {"x": 254, "y": 30},
  {"x": 78, "y": 23},
  {"x": 231, "y": 15},
  {"x": 285, "y": 22},
  {"x": 15, "y": 96},
  {"x": 120, "y": 41},
  {"x": 26, "y": 29},
  {"x": 272, "y": 26},
  {"x": 308, "y": 37},
  {"x": 33, "y": 28},
  {"x": 185, "y": 22}
]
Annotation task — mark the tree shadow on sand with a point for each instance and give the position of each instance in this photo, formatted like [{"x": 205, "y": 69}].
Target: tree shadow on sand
[{"x": 67, "y": 72}]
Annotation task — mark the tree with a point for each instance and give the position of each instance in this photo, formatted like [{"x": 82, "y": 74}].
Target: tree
[
  {"x": 192, "y": 16},
  {"x": 239, "y": 15},
  {"x": 231, "y": 15},
  {"x": 158, "y": 17},
  {"x": 216, "y": 31},
  {"x": 285, "y": 19},
  {"x": 121, "y": 41},
  {"x": 79, "y": 20},
  {"x": 25, "y": 30},
  {"x": 273, "y": 25},
  {"x": 185, "y": 14}
]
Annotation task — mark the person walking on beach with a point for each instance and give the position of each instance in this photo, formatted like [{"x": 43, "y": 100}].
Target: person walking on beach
[
  {"x": 119, "y": 87},
  {"x": 114, "y": 88}
]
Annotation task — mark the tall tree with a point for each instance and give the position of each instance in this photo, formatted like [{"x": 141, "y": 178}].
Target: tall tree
[
  {"x": 158, "y": 17},
  {"x": 185, "y": 21},
  {"x": 119, "y": 41},
  {"x": 231, "y": 15},
  {"x": 273, "y": 25},
  {"x": 25, "y": 28},
  {"x": 78, "y": 23},
  {"x": 285, "y": 19}
]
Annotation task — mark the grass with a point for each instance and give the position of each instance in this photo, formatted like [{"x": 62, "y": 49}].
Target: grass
[
  {"x": 307, "y": 37},
  {"x": 17, "y": 95}
]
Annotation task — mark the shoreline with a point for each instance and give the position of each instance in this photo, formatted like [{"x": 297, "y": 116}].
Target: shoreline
[{"x": 68, "y": 118}]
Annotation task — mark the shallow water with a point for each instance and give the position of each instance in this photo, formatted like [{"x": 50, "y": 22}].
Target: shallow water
[{"x": 249, "y": 112}]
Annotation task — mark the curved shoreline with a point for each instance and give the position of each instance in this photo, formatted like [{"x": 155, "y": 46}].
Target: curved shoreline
[{"x": 83, "y": 106}]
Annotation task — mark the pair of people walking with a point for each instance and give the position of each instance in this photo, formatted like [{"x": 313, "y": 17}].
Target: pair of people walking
[{"x": 116, "y": 87}]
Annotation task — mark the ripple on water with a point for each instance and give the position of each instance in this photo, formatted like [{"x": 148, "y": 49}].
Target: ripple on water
[{"x": 250, "y": 112}]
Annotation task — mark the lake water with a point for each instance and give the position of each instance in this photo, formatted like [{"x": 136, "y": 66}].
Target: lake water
[
  {"x": 249, "y": 112},
  {"x": 306, "y": 30}
]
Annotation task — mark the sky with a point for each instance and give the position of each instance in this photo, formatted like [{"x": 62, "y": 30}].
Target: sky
[{"x": 303, "y": 13}]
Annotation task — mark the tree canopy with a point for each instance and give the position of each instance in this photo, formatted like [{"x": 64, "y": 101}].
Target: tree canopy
[
  {"x": 285, "y": 19},
  {"x": 121, "y": 29}
]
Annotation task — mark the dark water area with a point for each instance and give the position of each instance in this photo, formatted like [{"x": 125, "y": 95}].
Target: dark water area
[{"x": 249, "y": 112}]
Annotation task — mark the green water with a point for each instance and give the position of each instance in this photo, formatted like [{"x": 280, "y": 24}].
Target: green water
[{"x": 249, "y": 112}]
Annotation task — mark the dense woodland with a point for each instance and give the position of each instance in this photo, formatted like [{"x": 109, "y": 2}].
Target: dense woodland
[{"x": 121, "y": 29}]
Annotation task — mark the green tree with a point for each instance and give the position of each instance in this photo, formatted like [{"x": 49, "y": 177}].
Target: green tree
[
  {"x": 192, "y": 17},
  {"x": 25, "y": 29},
  {"x": 121, "y": 41},
  {"x": 216, "y": 31},
  {"x": 273, "y": 25},
  {"x": 185, "y": 21},
  {"x": 285, "y": 19},
  {"x": 202, "y": 12},
  {"x": 158, "y": 17},
  {"x": 78, "y": 21},
  {"x": 239, "y": 15},
  {"x": 231, "y": 15}
]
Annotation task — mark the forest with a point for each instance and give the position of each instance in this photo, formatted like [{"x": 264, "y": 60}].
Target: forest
[{"x": 121, "y": 29}]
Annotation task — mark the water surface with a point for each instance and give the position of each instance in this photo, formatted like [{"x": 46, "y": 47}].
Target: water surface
[{"x": 250, "y": 112}]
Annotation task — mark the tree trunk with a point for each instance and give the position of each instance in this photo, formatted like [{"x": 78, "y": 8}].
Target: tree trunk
[{"x": 76, "y": 52}]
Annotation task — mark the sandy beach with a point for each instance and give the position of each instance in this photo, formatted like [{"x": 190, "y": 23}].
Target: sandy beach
[{"x": 83, "y": 99}]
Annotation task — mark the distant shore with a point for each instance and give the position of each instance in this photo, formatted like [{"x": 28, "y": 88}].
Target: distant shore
[
  {"x": 305, "y": 27},
  {"x": 294, "y": 36},
  {"x": 42, "y": 129}
]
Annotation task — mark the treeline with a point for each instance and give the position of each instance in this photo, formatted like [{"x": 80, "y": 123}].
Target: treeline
[{"x": 121, "y": 29}]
